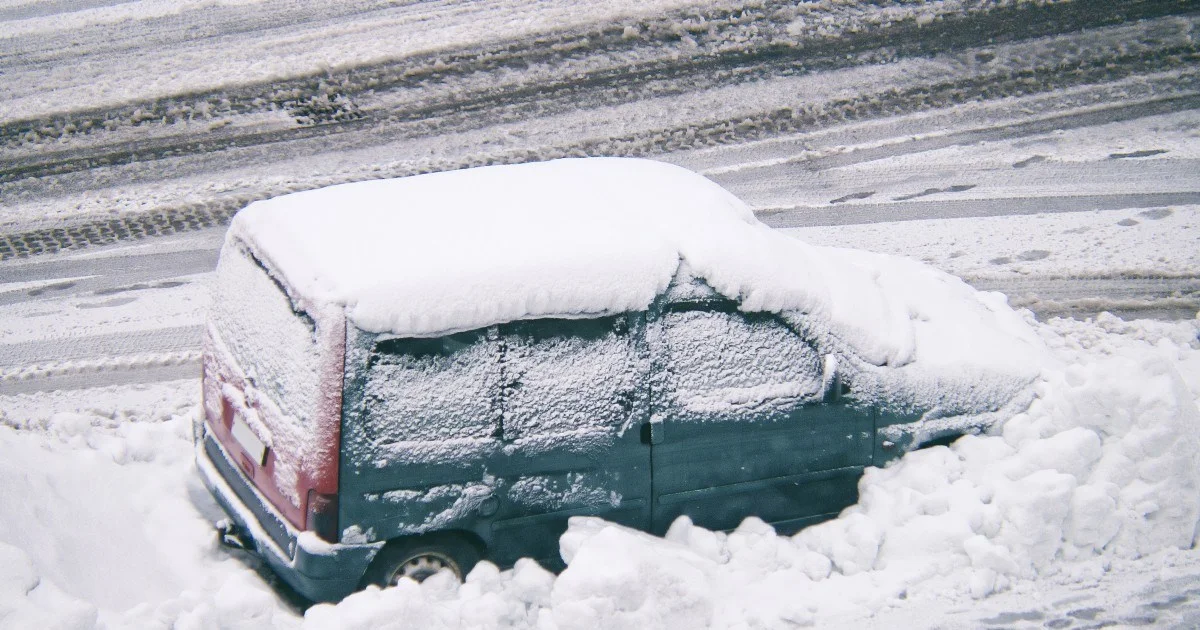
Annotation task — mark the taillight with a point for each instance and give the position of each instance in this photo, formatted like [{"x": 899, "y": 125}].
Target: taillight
[
  {"x": 226, "y": 413},
  {"x": 322, "y": 515}
]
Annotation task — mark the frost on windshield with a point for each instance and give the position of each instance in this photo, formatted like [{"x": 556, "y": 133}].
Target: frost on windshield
[
  {"x": 275, "y": 345},
  {"x": 718, "y": 363}
]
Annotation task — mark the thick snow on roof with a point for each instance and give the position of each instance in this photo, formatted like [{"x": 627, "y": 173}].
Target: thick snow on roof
[{"x": 465, "y": 249}]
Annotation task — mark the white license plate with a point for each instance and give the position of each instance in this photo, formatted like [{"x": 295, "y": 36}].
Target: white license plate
[{"x": 253, "y": 446}]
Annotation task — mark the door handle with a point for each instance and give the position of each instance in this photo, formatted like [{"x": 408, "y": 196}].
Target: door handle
[{"x": 652, "y": 432}]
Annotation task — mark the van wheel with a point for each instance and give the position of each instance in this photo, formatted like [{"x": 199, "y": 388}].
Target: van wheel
[{"x": 420, "y": 558}]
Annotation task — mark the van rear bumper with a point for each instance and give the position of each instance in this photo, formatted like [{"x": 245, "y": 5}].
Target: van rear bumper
[{"x": 319, "y": 571}]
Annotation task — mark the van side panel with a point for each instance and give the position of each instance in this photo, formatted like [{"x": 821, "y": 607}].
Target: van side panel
[
  {"x": 574, "y": 401},
  {"x": 504, "y": 433},
  {"x": 418, "y": 434},
  {"x": 790, "y": 472},
  {"x": 741, "y": 429}
]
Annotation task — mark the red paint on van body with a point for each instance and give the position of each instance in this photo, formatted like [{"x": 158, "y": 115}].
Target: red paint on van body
[{"x": 318, "y": 470}]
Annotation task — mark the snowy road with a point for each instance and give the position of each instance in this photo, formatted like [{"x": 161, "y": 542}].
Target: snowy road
[
  {"x": 711, "y": 88},
  {"x": 116, "y": 315}
]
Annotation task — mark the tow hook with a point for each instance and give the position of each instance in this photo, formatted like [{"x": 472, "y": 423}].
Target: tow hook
[{"x": 229, "y": 534}]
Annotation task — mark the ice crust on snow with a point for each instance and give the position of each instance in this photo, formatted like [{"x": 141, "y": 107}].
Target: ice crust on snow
[{"x": 463, "y": 250}]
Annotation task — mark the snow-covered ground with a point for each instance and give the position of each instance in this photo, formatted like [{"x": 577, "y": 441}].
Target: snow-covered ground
[
  {"x": 1080, "y": 512},
  {"x": 1157, "y": 241}
]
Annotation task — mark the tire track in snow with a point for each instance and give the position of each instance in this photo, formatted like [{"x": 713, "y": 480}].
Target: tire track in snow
[
  {"x": 709, "y": 59},
  {"x": 144, "y": 356},
  {"x": 116, "y": 371},
  {"x": 857, "y": 213},
  {"x": 793, "y": 185},
  {"x": 90, "y": 349},
  {"x": 725, "y": 167},
  {"x": 734, "y": 167},
  {"x": 110, "y": 275},
  {"x": 1128, "y": 298},
  {"x": 59, "y": 291},
  {"x": 217, "y": 210}
]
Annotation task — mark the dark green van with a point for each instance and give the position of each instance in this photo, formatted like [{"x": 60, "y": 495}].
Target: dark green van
[{"x": 346, "y": 457}]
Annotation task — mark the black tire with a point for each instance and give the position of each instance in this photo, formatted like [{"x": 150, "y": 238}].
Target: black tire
[{"x": 421, "y": 557}]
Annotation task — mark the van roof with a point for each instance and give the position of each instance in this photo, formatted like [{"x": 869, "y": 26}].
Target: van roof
[{"x": 464, "y": 249}]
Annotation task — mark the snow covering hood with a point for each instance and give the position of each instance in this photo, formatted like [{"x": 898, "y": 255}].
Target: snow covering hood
[{"x": 464, "y": 249}]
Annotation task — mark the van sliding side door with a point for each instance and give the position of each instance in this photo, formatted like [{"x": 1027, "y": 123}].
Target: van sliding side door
[
  {"x": 741, "y": 429},
  {"x": 573, "y": 401}
]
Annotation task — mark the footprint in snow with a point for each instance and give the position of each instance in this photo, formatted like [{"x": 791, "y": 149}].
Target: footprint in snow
[
  {"x": 853, "y": 197},
  {"x": 1155, "y": 214},
  {"x": 1029, "y": 160},
  {"x": 1136, "y": 154},
  {"x": 933, "y": 191},
  {"x": 109, "y": 303},
  {"x": 61, "y": 286}
]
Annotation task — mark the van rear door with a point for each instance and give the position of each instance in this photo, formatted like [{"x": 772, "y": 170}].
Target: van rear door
[{"x": 272, "y": 386}]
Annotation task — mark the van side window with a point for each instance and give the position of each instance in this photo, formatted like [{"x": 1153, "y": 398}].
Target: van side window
[
  {"x": 435, "y": 389},
  {"x": 719, "y": 363},
  {"x": 568, "y": 382}
]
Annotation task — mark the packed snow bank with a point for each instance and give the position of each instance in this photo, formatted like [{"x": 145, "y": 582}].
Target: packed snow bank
[{"x": 466, "y": 249}]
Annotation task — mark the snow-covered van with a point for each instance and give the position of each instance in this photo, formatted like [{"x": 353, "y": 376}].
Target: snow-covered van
[{"x": 404, "y": 376}]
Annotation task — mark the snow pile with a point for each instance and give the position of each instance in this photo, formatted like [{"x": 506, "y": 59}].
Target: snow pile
[
  {"x": 104, "y": 523},
  {"x": 1104, "y": 462},
  {"x": 27, "y": 600},
  {"x": 955, "y": 351}
]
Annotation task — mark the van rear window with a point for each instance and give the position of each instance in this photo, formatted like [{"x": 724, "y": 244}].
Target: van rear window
[{"x": 275, "y": 347}]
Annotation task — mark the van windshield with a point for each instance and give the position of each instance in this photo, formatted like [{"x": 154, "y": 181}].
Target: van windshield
[{"x": 274, "y": 346}]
